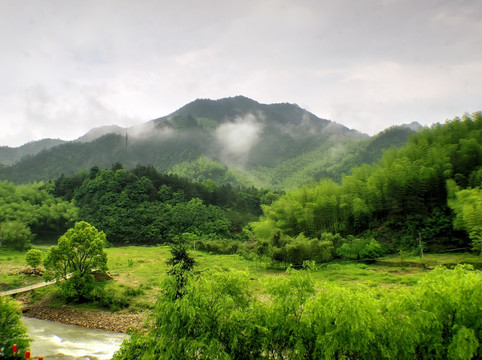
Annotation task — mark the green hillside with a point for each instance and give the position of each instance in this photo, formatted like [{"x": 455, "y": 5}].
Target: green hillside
[{"x": 325, "y": 161}]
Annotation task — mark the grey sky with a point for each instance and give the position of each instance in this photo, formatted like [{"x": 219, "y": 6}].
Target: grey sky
[{"x": 67, "y": 66}]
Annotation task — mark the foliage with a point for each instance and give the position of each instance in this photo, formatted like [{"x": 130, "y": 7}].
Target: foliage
[
  {"x": 34, "y": 210},
  {"x": 34, "y": 257},
  {"x": 396, "y": 199},
  {"x": 15, "y": 235},
  {"x": 467, "y": 205},
  {"x": 12, "y": 331},
  {"x": 182, "y": 264},
  {"x": 142, "y": 206},
  {"x": 297, "y": 250},
  {"x": 213, "y": 320},
  {"x": 204, "y": 168},
  {"x": 217, "y": 317},
  {"x": 359, "y": 248},
  {"x": 78, "y": 252}
]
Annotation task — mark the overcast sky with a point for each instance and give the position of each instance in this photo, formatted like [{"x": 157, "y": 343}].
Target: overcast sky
[{"x": 67, "y": 66}]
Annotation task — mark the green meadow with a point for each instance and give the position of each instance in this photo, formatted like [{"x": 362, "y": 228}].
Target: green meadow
[{"x": 138, "y": 272}]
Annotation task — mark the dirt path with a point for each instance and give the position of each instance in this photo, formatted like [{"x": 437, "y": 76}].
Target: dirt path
[{"x": 26, "y": 288}]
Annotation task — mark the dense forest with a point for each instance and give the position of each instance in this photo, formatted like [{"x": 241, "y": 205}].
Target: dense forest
[
  {"x": 143, "y": 206},
  {"x": 28, "y": 210}
]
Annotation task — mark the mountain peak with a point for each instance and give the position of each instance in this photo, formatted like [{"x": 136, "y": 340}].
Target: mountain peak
[
  {"x": 414, "y": 125},
  {"x": 97, "y": 132}
]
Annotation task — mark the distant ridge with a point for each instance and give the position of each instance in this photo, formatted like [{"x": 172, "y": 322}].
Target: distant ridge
[
  {"x": 11, "y": 155},
  {"x": 414, "y": 125}
]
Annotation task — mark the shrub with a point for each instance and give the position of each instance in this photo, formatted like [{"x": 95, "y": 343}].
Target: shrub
[
  {"x": 34, "y": 257},
  {"x": 12, "y": 330},
  {"x": 16, "y": 235}
]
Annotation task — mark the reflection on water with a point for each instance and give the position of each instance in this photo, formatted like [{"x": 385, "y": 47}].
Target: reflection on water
[{"x": 51, "y": 338}]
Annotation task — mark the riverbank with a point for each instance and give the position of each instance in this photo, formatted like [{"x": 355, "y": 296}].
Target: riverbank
[{"x": 91, "y": 318}]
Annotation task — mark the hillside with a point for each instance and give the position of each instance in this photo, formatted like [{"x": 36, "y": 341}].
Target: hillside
[{"x": 275, "y": 145}]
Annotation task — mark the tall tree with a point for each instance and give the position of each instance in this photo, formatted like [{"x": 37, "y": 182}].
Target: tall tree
[{"x": 79, "y": 251}]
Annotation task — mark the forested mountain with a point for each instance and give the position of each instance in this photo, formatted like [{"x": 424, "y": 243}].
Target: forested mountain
[
  {"x": 9, "y": 155},
  {"x": 233, "y": 140}
]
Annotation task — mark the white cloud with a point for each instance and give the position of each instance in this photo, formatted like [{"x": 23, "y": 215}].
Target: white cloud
[{"x": 238, "y": 137}]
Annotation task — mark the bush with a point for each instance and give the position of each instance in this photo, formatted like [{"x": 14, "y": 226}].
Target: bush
[
  {"x": 220, "y": 246},
  {"x": 359, "y": 248},
  {"x": 110, "y": 298},
  {"x": 12, "y": 330},
  {"x": 16, "y": 235},
  {"x": 34, "y": 258}
]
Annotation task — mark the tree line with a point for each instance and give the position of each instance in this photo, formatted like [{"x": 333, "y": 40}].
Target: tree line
[{"x": 29, "y": 210}]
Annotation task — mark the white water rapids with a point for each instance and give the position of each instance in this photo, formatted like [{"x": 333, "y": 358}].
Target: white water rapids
[{"x": 52, "y": 338}]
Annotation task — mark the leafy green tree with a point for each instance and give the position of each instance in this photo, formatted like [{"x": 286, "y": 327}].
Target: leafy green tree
[
  {"x": 12, "y": 331},
  {"x": 182, "y": 264},
  {"x": 16, "y": 235},
  {"x": 215, "y": 319},
  {"x": 467, "y": 205},
  {"x": 34, "y": 258},
  {"x": 79, "y": 251}
]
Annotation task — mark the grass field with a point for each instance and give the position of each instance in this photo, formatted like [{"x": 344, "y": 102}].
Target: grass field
[
  {"x": 12, "y": 262},
  {"x": 139, "y": 272}
]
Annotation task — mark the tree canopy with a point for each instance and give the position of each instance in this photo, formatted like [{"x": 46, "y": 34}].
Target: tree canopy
[
  {"x": 78, "y": 252},
  {"x": 396, "y": 200}
]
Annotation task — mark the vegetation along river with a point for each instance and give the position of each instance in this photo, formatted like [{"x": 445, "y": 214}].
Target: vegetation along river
[{"x": 53, "y": 338}]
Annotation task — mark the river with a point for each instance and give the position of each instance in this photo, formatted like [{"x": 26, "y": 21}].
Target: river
[{"x": 51, "y": 338}]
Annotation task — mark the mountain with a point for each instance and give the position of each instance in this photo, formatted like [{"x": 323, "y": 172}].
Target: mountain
[
  {"x": 414, "y": 125},
  {"x": 326, "y": 161},
  {"x": 9, "y": 155},
  {"x": 97, "y": 132},
  {"x": 274, "y": 145}
]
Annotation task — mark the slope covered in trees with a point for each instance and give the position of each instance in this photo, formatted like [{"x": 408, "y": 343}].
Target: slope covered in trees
[
  {"x": 328, "y": 160},
  {"x": 29, "y": 210},
  {"x": 143, "y": 206},
  {"x": 397, "y": 200}
]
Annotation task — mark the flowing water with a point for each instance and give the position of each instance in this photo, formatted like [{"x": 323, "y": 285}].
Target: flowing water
[{"x": 51, "y": 338}]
